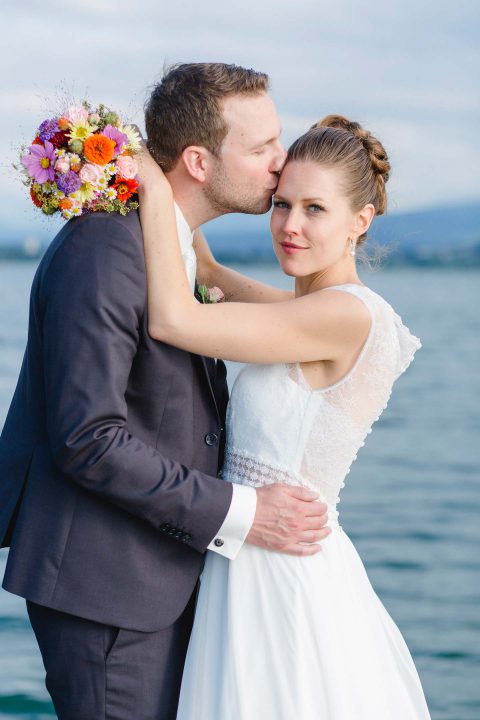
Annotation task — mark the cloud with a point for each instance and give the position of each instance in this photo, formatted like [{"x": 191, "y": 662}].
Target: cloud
[{"x": 407, "y": 70}]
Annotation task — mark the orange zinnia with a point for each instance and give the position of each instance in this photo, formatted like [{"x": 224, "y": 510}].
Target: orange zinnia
[
  {"x": 65, "y": 204},
  {"x": 98, "y": 149}
]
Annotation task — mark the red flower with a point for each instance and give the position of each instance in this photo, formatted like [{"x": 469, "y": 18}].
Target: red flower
[
  {"x": 125, "y": 188},
  {"x": 37, "y": 141},
  {"x": 60, "y": 138},
  {"x": 34, "y": 196}
]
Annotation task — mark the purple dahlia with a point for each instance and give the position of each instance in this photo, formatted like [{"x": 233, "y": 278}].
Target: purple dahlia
[
  {"x": 47, "y": 129},
  {"x": 68, "y": 182}
]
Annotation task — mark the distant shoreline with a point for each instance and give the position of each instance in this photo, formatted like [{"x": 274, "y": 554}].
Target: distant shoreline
[{"x": 460, "y": 261}]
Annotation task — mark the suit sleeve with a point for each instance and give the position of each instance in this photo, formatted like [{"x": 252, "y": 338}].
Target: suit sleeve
[{"x": 93, "y": 299}]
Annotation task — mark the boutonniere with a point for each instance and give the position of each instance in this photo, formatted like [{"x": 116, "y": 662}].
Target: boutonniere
[{"x": 208, "y": 296}]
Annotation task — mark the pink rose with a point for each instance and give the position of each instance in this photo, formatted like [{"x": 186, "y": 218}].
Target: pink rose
[
  {"x": 62, "y": 165},
  {"x": 91, "y": 173},
  {"x": 215, "y": 295},
  {"x": 127, "y": 167},
  {"x": 76, "y": 114}
]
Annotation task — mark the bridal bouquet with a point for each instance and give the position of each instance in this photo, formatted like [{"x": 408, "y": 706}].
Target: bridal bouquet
[{"x": 82, "y": 161}]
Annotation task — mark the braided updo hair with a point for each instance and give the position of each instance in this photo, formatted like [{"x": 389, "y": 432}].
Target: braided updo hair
[{"x": 338, "y": 142}]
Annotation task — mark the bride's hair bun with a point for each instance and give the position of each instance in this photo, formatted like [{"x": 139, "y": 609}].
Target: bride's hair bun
[
  {"x": 337, "y": 141},
  {"x": 378, "y": 154}
]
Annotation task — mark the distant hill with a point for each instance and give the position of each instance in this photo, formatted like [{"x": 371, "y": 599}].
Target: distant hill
[
  {"x": 439, "y": 236},
  {"x": 429, "y": 237}
]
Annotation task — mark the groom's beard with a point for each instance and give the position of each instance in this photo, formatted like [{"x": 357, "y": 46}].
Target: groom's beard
[{"x": 227, "y": 196}]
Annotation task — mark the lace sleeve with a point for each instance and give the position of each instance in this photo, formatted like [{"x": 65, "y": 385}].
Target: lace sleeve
[{"x": 408, "y": 345}]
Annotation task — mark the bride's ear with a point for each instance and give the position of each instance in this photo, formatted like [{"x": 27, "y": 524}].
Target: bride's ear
[
  {"x": 363, "y": 219},
  {"x": 195, "y": 159}
]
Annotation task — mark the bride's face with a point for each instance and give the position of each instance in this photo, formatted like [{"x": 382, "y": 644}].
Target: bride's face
[{"x": 312, "y": 220}]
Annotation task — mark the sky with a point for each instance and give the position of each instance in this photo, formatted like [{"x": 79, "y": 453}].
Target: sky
[{"x": 406, "y": 69}]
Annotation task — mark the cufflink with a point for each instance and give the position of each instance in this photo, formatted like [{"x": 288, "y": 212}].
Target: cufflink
[{"x": 218, "y": 542}]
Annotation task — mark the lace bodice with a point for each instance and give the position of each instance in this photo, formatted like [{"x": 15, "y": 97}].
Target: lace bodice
[{"x": 281, "y": 430}]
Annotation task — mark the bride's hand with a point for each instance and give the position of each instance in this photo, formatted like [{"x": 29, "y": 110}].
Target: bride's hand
[{"x": 151, "y": 177}]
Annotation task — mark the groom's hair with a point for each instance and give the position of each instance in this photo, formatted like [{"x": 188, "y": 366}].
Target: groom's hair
[{"x": 185, "y": 107}]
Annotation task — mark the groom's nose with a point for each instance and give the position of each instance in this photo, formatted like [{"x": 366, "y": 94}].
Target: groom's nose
[{"x": 278, "y": 159}]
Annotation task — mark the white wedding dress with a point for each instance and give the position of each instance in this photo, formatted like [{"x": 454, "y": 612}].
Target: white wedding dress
[{"x": 278, "y": 637}]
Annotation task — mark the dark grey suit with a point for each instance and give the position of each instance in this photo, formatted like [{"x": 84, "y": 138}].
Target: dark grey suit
[{"x": 106, "y": 518}]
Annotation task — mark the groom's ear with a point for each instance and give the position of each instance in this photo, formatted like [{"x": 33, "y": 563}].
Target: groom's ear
[{"x": 195, "y": 158}]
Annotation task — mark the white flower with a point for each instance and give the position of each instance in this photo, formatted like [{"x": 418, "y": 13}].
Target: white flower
[
  {"x": 134, "y": 138},
  {"x": 111, "y": 193},
  {"x": 110, "y": 169},
  {"x": 76, "y": 211},
  {"x": 59, "y": 194},
  {"x": 67, "y": 214},
  {"x": 102, "y": 183}
]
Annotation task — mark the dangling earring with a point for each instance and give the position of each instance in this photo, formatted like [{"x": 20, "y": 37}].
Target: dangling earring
[{"x": 352, "y": 247}]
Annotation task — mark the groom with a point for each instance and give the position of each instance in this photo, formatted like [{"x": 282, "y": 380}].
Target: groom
[{"x": 109, "y": 495}]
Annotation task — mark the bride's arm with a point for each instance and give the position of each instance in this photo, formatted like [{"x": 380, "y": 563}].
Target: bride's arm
[
  {"x": 320, "y": 326},
  {"x": 235, "y": 286}
]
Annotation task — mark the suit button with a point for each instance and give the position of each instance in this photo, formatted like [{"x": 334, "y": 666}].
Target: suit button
[
  {"x": 218, "y": 542},
  {"x": 211, "y": 439}
]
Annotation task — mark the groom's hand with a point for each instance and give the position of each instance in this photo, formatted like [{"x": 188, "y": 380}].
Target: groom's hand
[{"x": 289, "y": 520}]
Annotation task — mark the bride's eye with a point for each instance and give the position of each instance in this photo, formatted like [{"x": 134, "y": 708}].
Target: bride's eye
[
  {"x": 314, "y": 208},
  {"x": 280, "y": 204}
]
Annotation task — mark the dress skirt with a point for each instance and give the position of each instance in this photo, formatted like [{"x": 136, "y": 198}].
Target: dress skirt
[{"x": 278, "y": 637}]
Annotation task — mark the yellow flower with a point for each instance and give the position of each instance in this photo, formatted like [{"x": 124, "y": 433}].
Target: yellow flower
[
  {"x": 85, "y": 193},
  {"x": 80, "y": 130}
]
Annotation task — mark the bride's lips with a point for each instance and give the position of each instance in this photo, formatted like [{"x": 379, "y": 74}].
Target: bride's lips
[{"x": 291, "y": 248}]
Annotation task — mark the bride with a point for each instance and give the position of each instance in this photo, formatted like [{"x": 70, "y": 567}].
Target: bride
[{"x": 275, "y": 636}]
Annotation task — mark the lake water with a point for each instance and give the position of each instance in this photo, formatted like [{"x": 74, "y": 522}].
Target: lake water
[{"x": 411, "y": 505}]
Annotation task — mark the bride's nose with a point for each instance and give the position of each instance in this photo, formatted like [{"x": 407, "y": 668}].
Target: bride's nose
[{"x": 291, "y": 225}]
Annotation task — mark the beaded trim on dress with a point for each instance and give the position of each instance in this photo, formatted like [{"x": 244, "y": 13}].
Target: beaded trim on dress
[{"x": 242, "y": 469}]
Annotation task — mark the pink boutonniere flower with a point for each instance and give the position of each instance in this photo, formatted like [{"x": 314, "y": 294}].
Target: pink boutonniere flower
[{"x": 210, "y": 295}]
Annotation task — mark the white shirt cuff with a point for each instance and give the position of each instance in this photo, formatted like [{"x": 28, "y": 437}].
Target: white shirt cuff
[{"x": 236, "y": 526}]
